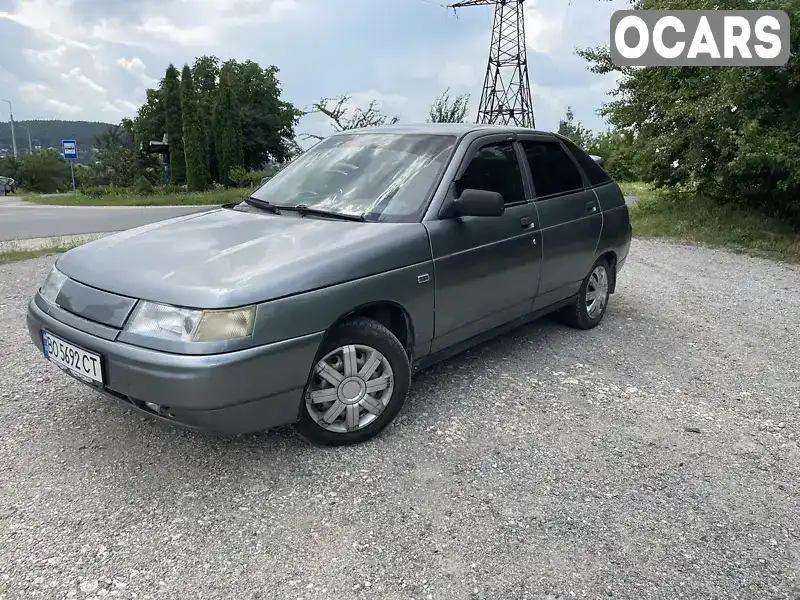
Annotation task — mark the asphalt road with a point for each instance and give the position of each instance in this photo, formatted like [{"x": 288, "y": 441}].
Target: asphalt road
[
  {"x": 24, "y": 221},
  {"x": 19, "y": 221},
  {"x": 654, "y": 457}
]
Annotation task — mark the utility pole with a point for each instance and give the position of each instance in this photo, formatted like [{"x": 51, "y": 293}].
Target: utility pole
[
  {"x": 30, "y": 145},
  {"x": 13, "y": 133},
  {"x": 506, "y": 96}
]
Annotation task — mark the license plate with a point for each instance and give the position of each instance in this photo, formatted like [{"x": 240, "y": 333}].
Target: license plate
[{"x": 85, "y": 365}]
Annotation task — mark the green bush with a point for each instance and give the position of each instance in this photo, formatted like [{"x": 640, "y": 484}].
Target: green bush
[
  {"x": 143, "y": 187},
  {"x": 170, "y": 188},
  {"x": 94, "y": 191},
  {"x": 239, "y": 176},
  {"x": 44, "y": 173},
  {"x": 100, "y": 191}
]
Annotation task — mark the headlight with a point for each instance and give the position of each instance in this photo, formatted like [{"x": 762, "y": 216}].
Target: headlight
[
  {"x": 187, "y": 325},
  {"x": 52, "y": 285}
]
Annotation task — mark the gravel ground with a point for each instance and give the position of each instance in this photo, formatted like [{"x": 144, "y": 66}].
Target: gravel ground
[{"x": 656, "y": 456}]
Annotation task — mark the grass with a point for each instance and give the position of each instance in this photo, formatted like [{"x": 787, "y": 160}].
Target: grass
[
  {"x": 9, "y": 256},
  {"x": 210, "y": 198},
  {"x": 686, "y": 218},
  {"x": 13, "y": 251}
]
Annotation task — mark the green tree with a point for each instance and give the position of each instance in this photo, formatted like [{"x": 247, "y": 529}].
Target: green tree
[
  {"x": 117, "y": 162},
  {"x": 617, "y": 150},
  {"x": 574, "y": 130},
  {"x": 205, "y": 73},
  {"x": 194, "y": 135},
  {"x": 445, "y": 110},
  {"x": 267, "y": 121},
  {"x": 150, "y": 123},
  {"x": 174, "y": 126},
  {"x": 729, "y": 134},
  {"x": 228, "y": 127}
]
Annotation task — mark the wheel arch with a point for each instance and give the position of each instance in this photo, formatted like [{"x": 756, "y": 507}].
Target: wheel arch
[
  {"x": 391, "y": 315},
  {"x": 610, "y": 257}
]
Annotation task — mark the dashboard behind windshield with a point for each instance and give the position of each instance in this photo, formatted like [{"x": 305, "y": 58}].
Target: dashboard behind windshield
[{"x": 382, "y": 176}]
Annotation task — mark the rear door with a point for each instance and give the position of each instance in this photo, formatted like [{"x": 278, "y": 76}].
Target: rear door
[
  {"x": 569, "y": 217},
  {"x": 487, "y": 268}
]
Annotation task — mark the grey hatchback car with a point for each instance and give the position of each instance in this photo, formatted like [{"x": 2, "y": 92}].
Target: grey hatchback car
[{"x": 376, "y": 253}]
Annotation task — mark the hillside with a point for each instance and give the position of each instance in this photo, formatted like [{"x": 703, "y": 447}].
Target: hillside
[{"x": 48, "y": 134}]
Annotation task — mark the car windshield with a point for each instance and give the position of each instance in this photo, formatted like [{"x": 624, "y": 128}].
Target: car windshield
[{"x": 382, "y": 176}]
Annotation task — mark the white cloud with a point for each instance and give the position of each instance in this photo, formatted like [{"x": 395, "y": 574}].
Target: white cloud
[
  {"x": 138, "y": 69},
  {"x": 544, "y": 27},
  {"x": 52, "y": 20},
  {"x": 120, "y": 107},
  {"x": 35, "y": 92},
  {"x": 62, "y": 108},
  {"x": 38, "y": 93},
  {"x": 161, "y": 27},
  {"x": 51, "y": 57},
  {"x": 76, "y": 75}
]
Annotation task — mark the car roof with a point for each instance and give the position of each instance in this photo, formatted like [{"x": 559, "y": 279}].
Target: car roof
[{"x": 457, "y": 129}]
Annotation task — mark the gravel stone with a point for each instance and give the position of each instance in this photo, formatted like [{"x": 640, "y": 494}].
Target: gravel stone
[{"x": 547, "y": 464}]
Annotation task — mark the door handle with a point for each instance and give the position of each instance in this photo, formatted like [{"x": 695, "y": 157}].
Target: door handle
[
  {"x": 526, "y": 222},
  {"x": 591, "y": 206}
]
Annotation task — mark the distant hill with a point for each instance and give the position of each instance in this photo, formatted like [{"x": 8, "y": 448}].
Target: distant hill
[{"x": 48, "y": 134}]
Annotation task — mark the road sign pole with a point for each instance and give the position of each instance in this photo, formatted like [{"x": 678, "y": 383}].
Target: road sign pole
[{"x": 69, "y": 150}]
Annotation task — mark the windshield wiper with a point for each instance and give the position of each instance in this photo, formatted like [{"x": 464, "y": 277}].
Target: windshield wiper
[
  {"x": 262, "y": 204},
  {"x": 306, "y": 210}
]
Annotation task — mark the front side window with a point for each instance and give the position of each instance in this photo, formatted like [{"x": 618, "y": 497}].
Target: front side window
[
  {"x": 495, "y": 168},
  {"x": 552, "y": 169},
  {"x": 381, "y": 176}
]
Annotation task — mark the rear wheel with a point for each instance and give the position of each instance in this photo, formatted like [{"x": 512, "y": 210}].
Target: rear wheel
[
  {"x": 591, "y": 302},
  {"x": 358, "y": 384}
]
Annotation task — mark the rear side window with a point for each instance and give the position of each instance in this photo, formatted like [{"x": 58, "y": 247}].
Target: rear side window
[
  {"x": 495, "y": 168},
  {"x": 594, "y": 172},
  {"x": 552, "y": 169}
]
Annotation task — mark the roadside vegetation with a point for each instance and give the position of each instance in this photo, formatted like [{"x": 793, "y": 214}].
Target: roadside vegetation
[
  {"x": 688, "y": 218},
  {"x": 128, "y": 197},
  {"x": 9, "y": 256},
  {"x": 15, "y": 252}
]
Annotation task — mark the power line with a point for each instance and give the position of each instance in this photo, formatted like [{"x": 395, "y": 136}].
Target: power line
[{"x": 506, "y": 95}]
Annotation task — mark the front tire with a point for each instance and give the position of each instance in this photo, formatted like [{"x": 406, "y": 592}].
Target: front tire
[
  {"x": 358, "y": 384},
  {"x": 591, "y": 303}
]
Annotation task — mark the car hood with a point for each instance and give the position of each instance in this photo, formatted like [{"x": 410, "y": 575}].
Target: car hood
[{"x": 225, "y": 258}]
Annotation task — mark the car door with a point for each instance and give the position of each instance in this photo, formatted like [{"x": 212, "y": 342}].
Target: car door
[
  {"x": 486, "y": 268},
  {"x": 569, "y": 216}
]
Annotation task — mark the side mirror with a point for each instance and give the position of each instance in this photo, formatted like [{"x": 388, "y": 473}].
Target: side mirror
[{"x": 479, "y": 203}]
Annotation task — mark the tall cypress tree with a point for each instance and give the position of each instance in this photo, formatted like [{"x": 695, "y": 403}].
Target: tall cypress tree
[
  {"x": 205, "y": 73},
  {"x": 228, "y": 128},
  {"x": 174, "y": 124},
  {"x": 194, "y": 139}
]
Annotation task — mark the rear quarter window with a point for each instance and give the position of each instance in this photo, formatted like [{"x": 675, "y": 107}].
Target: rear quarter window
[{"x": 594, "y": 172}]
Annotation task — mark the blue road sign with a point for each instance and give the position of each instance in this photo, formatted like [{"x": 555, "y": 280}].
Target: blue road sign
[{"x": 69, "y": 148}]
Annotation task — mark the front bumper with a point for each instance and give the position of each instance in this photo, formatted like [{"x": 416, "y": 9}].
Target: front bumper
[{"x": 236, "y": 392}]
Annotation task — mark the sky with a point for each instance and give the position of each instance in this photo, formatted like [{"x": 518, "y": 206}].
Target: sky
[{"x": 93, "y": 59}]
